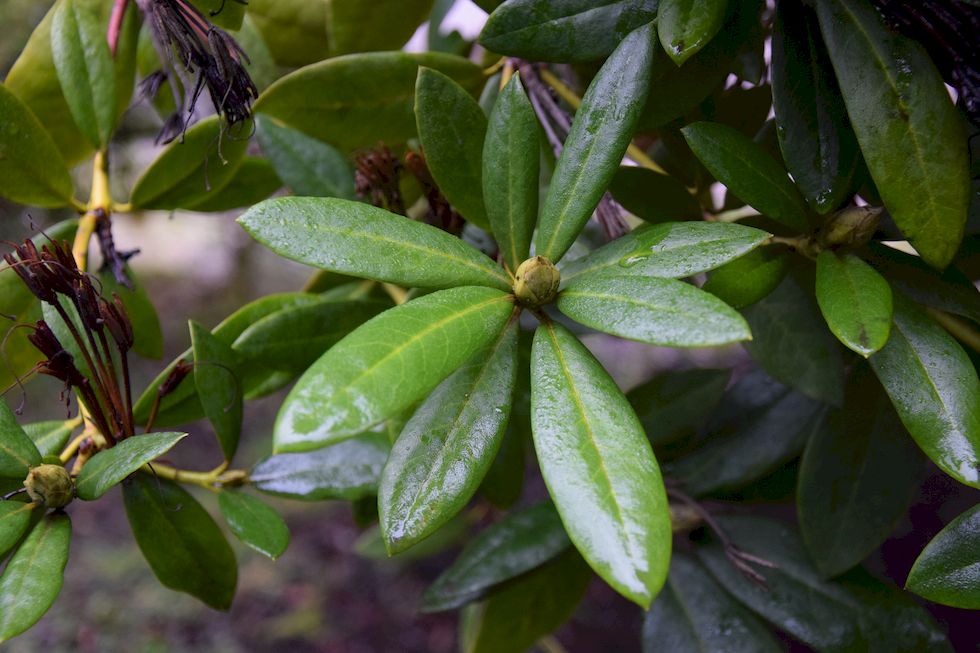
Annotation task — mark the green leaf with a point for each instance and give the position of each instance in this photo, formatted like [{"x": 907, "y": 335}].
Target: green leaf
[
  {"x": 686, "y": 26},
  {"x": 254, "y": 523},
  {"x": 185, "y": 548},
  {"x": 348, "y": 470},
  {"x": 598, "y": 466},
  {"x": 600, "y": 134},
  {"x": 815, "y": 137},
  {"x": 31, "y": 168},
  {"x": 748, "y": 279},
  {"x": 50, "y": 437},
  {"x": 694, "y": 614},
  {"x": 933, "y": 386},
  {"x": 448, "y": 445},
  {"x": 365, "y": 241},
  {"x": 387, "y": 365},
  {"x": 947, "y": 569},
  {"x": 253, "y": 181},
  {"x": 653, "y": 197},
  {"x": 14, "y": 520},
  {"x": 292, "y": 339},
  {"x": 672, "y": 250},
  {"x": 530, "y": 607},
  {"x": 857, "y": 478},
  {"x": 111, "y": 466},
  {"x": 85, "y": 69},
  {"x": 191, "y": 170},
  {"x": 790, "y": 342},
  {"x": 748, "y": 171},
  {"x": 228, "y": 14},
  {"x": 392, "y": 23},
  {"x": 663, "y": 312},
  {"x": 17, "y": 452},
  {"x": 362, "y": 99},
  {"x": 911, "y": 135},
  {"x": 511, "y": 161},
  {"x": 294, "y": 30},
  {"x": 518, "y": 543},
  {"x": 139, "y": 307},
  {"x": 855, "y": 300},
  {"x": 674, "y": 403},
  {"x": 570, "y": 31},
  {"x": 309, "y": 167},
  {"x": 219, "y": 386},
  {"x": 33, "y": 577},
  {"x": 452, "y": 128}
]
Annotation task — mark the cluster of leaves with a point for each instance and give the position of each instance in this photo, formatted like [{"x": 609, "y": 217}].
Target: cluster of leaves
[{"x": 423, "y": 367}]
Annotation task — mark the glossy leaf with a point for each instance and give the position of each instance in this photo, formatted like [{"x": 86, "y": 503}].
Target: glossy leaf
[
  {"x": 348, "y": 470},
  {"x": 370, "y": 544},
  {"x": 452, "y": 128},
  {"x": 360, "y": 100},
  {"x": 946, "y": 570},
  {"x": 17, "y": 452},
  {"x": 815, "y": 137},
  {"x": 253, "y": 181},
  {"x": 673, "y": 250},
  {"x": 392, "y": 24},
  {"x": 84, "y": 66},
  {"x": 857, "y": 478},
  {"x": 31, "y": 168},
  {"x": 599, "y": 136},
  {"x": 693, "y": 614},
  {"x": 188, "y": 171},
  {"x": 294, "y": 30},
  {"x": 570, "y": 31},
  {"x": 254, "y": 523},
  {"x": 748, "y": 171},
  {"x": 674, "y": 403},
  {"x": 14, "y": 520},
  {"x": 855, "y": 300},
  {"x": 790, "y": 341},
  {"x": 748, "y": 279},
  {"x": 219, "y": 386},
  {"x": 933, "y": 386},
  {"x": 147, "y": 333},
  {"x": 365, "y": 241},
  {"x": 111, "y": 466},
  {"x": 50, "y": 437},
  {"x": 653, "y": 197},
  {"x": 598, "y": 466},
  {"x": 184, "y": 547},
  {"x": 663, "y": 312},
  {"x": 310, "y": 168},
  {"x": 33, "y": 577},
  {"x": 686, "y": 26},
  {"x": 910, "y": 133},
  {"x": 518, "y": 543},
  {"x": 446, "y": 448}
]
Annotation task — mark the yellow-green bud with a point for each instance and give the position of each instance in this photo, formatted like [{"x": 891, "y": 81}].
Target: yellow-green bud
[
  {"x": 50, "y": 486},
  {"x": 851, "y": 227},
  {"x": 536, "y": 282}
]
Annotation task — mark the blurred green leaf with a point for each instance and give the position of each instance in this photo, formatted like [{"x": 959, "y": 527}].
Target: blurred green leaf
[
  {"x": 749, "y": 278},
  {"x": 310, "y": 168},
  {"x": 50, "y": 437},
  {"x": 358, "y": 26},
  {"x": 686, "y": 26},
  {"x": 254, "y": 523},
  {"x": 111, "y": 466},
  {"x": 223, "y": 13},
  {"x": 218, "y": 380},
  {"x": 147, "y": 333},
  {"x": 294, "y": 30},
  {"x": 674, "y": 403},
  {"x": 17, "y": 452},
  {"x": 947, "y": 569},
  {"x": 253, "y": 181},
  {"x": 652, "y": 196}
]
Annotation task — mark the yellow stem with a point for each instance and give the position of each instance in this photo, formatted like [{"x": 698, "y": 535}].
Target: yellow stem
[
  {"x": 73, "y": 446},
  {"x": 507, "y": 74},
  {"x": 397, "y": 293},
  {"x": 492, "y": 70},
  {"x": 209, "y": 480},
  {"x": 549, "y": 644},
  {"x": 99, "y": 199},
  {"x": 959, "y": 329}
]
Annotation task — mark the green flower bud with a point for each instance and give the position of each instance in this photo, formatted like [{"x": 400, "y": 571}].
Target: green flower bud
[
  {"x": 536, "y": 282},
  {"x": 851, "y": 227},
  {"x": 50, "y": 486}
]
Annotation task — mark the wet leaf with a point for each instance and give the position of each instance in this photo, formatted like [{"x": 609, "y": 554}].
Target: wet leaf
[
  {"x": 111, "y": 466},
  {"x": 855, "y": 300},
  {"x": 17, "y": 452},
  {"x": 686, "y": 26},
  {"x": 946, "y": 570},
  {"x": 749, "y": 278},
  {"x": 254, "y": 523}
]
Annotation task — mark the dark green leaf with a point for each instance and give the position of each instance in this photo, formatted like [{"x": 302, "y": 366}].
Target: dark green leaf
[
  {"x": 360, "y": 100},
  {"x": 139, "y": 307},
  {"x": 253, "y": 181},
  {"x": 452, "y": 128},
  {"x": 17, "y": 452},
  {"x": 910, "y": 133},
  {"x": 673, "y": 250},
  {"x": 51, "y": 437},
  {"x": 219, "y": 386},
  {"x": 511, "y": 160},
  {"x": 14, "y": 519},
  {"x": 686, "y": 26},
  {"x": 31, "y": 168},
  {"x": 111, "y": 466},
  {"x": 448, "y": 445},
  {"x": 254, "y": 523},
  {"x": 516, "y": 544},
  {"x": 309, "y": 167},
  {"x": 349, "y": 470},
  {"x": 674, "y": 403},
  {"x": 365, "y": 241},
  {"x": 693, "y": 614},
  {"x": 294, "y": 30},
  {"x": 598, "y": 139},
  {"x": 748, "y": 171},
  {"x": 855, "y": 300},
  {"x": 598, "y": 466},
  {"x": 569, "y": 31},
  {"x": 370, "y": 544},
  {"x": 33, "y": 577},
  {"x": 947, "y": 570},
  {"x": 933, "y": 386},
  {"x": 748, "y": 279},
  {"x": 663, "y": 312},
  {"x": 652, "y": 196},
  {"x": 857, "y": 478},
  {"x": 185, "y": 548},
  {"x": 85, "y": 69},
  {"x": 392, "y": 23}
]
